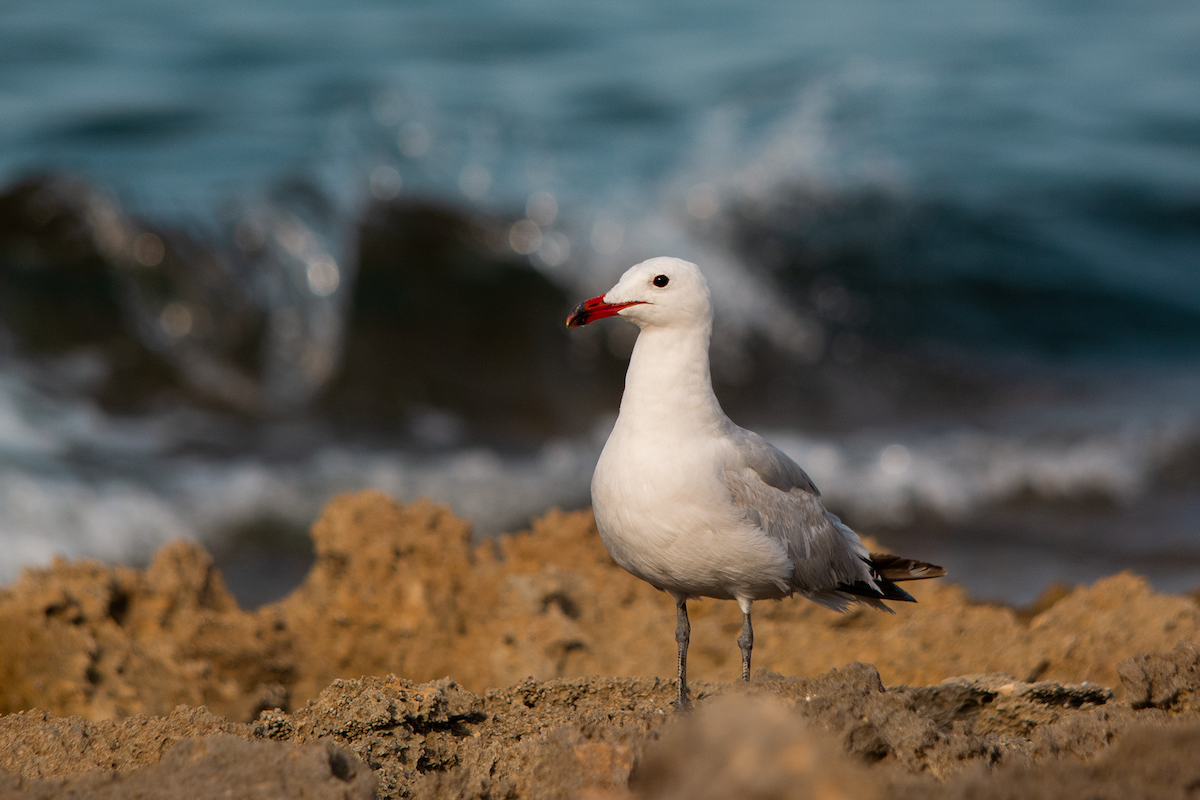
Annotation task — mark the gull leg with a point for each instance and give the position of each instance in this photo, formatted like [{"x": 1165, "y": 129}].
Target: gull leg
[
  {"x": 746, "y": 640},
  {"x": 683, "y": 633}
]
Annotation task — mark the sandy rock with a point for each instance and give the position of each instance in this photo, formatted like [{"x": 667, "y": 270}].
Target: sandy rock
[
  {"x": 950, "y": 695},
  {"x": 384, "y": 594},
  {"x": 842, "y": 733},
  {"x": 935, "y": 730},
  {"x": 565, "y": 737},
  {"x": 403, "y": 592},
  {"x": 535, "y": 739},
  {"x": 1163, "y": 680},
  {"x": 401, "y": 589},
  {"x": 37, "y": 744},
  {"x": 222, "y": 767},
  {"x": 1144, "y": 762},
  {"x": 1000, "y": 704},
  {"x": 748, "y": 747},
  {"x": 108, "y": 642},
  {"x": 1085, "y": 635},
  {"x": 401, "y": 729}
]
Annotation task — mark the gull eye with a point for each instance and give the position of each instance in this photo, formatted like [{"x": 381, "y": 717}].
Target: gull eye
[{"x": 661, "y": 280}]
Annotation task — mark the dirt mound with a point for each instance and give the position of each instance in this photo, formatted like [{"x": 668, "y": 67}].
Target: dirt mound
[
  {"x": 105, "y": 642},
  {"x": 1163, "y": 680},
  {"x": 106, "y": 653},
  {"x": 840, "y": 734},
  {"x": 402, "y": 589},
  {"x": 221, "y": 767}
]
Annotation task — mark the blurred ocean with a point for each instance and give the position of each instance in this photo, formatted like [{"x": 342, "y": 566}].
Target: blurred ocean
[{"x": 256, "y": 253}]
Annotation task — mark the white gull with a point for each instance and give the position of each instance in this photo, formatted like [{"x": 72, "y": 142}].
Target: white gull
[{"x": 699, "y": 507}]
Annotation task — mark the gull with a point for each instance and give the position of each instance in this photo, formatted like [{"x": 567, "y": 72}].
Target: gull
[{"x": 695, "y": 505}]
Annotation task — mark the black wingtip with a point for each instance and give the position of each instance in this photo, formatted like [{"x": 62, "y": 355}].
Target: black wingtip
[
  {"x": 886, "y": 591},
  {"x": 886, "y": 569},
  {"x": 895, "y": 568}
]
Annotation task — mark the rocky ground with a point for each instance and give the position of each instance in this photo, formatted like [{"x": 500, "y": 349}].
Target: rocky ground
[{"x": 119, "y": 682}]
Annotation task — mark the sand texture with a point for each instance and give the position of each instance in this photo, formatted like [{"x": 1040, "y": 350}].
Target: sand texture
[{"x": 117, "y": 681}]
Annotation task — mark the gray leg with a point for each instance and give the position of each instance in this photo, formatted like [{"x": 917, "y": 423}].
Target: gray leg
[
  {"x": 683, "y": 633},
  {"x": 746, "y": 642}
]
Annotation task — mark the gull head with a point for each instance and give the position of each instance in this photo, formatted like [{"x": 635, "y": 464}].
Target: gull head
[{"x": 659, "y": 293}]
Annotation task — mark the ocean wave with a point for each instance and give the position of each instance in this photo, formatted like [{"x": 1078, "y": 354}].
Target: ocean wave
[
  {"x": 59, "y": 512},
  {"x": 202, "y": 326},
  {"x": 1091, "y": 454},
  {"x": 956, "y": 475}
]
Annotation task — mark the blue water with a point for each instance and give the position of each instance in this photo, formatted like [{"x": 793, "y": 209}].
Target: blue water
[
  {"x": 1057, "y": 144},
  {"x": 1005, "y": 190},
  {"x": 192, "y": 101}
]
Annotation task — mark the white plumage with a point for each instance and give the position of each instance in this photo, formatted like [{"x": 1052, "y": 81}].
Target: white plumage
[{"x": 697, "y": 506}]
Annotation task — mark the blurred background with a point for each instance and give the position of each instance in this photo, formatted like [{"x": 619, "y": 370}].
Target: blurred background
[{"x": 254, "y": 253}]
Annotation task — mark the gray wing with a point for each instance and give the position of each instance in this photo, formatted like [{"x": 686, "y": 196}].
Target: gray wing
[
  {"x": 777, "y": 496},
  {"x": 773, "y": 467}
]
